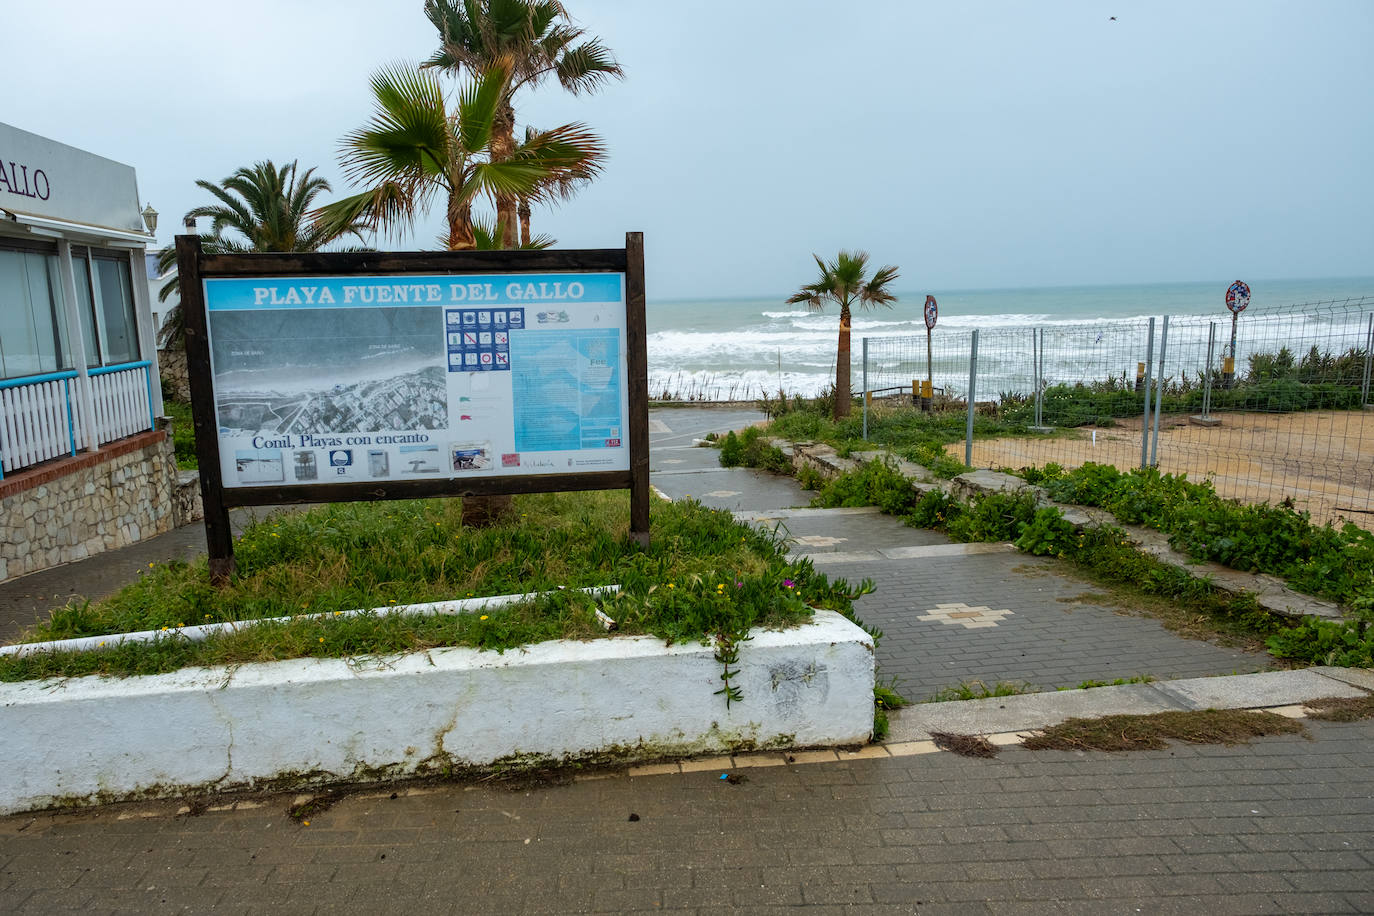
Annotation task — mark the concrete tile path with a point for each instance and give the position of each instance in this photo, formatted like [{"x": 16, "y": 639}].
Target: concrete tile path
[{"x": 950, "y": 613}]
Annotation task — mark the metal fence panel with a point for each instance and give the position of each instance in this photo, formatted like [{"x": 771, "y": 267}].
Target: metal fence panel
[{"x": 1290, "y": 424}]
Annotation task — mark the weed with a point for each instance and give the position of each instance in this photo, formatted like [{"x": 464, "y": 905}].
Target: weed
[
  {"x": 1118, "y": 682},
  {"x": 964, "y": 745},
  {"x": 317, "y": 804},
  {"x": 885, "y": 697},
  {"x": 1342, "y": 709},
  {"x": 977, "y": 690},
  {"x": 1153, "y": 732}
]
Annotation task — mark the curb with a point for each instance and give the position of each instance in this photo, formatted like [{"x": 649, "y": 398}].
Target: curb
[{"x": 1023, "y": 713}]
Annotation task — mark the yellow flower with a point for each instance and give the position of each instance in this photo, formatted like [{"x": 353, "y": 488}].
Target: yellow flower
[
  {"x": 671, "y": 585},
  {"x": 321, "y": 639},
  {"x": 483, "y": 617}
]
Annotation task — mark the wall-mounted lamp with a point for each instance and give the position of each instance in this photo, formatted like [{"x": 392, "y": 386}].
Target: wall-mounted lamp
[{"x": 150, "y": 219}]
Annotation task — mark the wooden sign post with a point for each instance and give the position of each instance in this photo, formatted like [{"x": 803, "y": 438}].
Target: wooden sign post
[{"x": 335, "y": 377}]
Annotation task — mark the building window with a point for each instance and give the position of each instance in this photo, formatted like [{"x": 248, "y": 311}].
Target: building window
[
  {"x": 33, "y": 334},
  {"x": 105, "y": 302},
  {"x": 116, "y": 294}
]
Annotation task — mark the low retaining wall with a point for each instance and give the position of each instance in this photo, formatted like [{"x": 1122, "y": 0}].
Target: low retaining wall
[
  {"x": 96, "y": 501},
  {"x": 315, "y": 721}
]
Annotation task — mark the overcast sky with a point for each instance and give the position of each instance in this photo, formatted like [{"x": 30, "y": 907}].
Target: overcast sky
[{"x": 974, "y": 144}]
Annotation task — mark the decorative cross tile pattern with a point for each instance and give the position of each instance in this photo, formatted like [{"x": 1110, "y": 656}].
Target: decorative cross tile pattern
[
  {"x": 971, "y": 618},
  {"x": 819, "y": 540}
]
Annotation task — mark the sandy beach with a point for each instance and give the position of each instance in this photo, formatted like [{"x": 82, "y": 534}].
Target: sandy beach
[{"x": 1322, "y": 460}]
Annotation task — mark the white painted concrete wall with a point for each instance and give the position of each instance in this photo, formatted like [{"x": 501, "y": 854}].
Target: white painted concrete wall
[{"x": 89, "y": 740}]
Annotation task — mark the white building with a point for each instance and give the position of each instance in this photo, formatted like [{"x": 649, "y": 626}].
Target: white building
[{"x": 79, "y": 386}]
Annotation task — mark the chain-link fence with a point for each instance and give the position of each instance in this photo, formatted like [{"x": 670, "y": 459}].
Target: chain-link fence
[{"x": 1276, "y": 413}]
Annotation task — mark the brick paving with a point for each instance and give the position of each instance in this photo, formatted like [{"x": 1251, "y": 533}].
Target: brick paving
[
  {"x": 1055, "y": 636},
  {"x": 1284, "y": 825}
]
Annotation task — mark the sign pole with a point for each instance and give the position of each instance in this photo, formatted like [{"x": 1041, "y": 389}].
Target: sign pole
[
  {"x": 219, "y": 538},
  {"x": 637, "y": 364},
  {"x": 1237, "y": 299},
  {"x": 932, "y": 313}
]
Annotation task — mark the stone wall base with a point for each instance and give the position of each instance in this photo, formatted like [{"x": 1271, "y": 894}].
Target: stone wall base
[{"x": 77, "y": 507}]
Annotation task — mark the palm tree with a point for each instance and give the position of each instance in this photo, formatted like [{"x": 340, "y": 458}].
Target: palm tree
[
  {"x": 413, "y": 149},
  {"x": 845, "y": 281},
  {"x": 534, "y": 39},
  {"x": 267, "y": 209}
]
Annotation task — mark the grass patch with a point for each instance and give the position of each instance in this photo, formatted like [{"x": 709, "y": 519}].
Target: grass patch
[
  {"x": 885, "y": 697},
  {"x": 704, "y": 576},
  {"x": 977, "y": 690},
  {"x": 1154, "y": 732},
  {"x": 1322, "y": 560},
  {"x": 183, "y": 433},
  {"x": 1341, "y": 709},
  {"x": 1115, "y": 682}
]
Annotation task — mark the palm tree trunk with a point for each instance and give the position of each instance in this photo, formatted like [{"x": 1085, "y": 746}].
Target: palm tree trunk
[
  {"x": 460, "y": 234},
  {"x": 524, "y": 211},
  {"x": 502, "y": 148},
  {"x": 842, "y": 367}
]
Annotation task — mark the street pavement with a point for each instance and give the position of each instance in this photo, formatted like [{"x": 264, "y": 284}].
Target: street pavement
[{"x": 1282, "y": 825}]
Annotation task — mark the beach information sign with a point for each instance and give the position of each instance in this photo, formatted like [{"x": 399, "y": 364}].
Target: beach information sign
[
  {"x": 387, "y": 378},
  {"x": 392, "y": 375}
]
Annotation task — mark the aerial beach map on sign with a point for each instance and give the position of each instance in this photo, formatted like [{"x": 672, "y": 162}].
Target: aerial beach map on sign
[{"x": 351, "y": 379}]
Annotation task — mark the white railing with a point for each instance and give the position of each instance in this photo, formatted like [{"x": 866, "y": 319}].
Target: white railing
[
  {"x": 123, "y": 400},
  {"x": 41, "y": 416}
]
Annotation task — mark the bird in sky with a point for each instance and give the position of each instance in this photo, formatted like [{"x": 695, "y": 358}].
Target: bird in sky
[{"x": 1112, "y": 19}]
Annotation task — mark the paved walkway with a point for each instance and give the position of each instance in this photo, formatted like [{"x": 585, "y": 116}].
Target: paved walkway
[
  {"x": 1281, "y": 825},
  {"x": 950, "y": 613},
  {"x": 1284, "y": 825}
]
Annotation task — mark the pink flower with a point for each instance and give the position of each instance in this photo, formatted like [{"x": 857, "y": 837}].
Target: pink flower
[{"x": 787, "y": 583}]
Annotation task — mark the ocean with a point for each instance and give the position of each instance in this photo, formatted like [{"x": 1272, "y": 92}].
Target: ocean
[{"x": 738, "y": 349}]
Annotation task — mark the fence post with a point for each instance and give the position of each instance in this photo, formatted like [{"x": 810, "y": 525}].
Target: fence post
[
  {"x": 1207, "y": 371},
  {"x": 1145, "y": 420},
  {"x": 865, "y": 350},
  {"x": 1159, "y": 391},
  {"x": 972, "y": 386},
  {"x": 1368, "y": 361}
]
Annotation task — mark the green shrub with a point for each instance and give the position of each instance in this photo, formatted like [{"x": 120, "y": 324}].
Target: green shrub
[{"x": 874, "y": 484}]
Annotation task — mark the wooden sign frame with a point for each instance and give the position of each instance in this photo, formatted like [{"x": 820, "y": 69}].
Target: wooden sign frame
[{"x": 194, "y": 266}]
